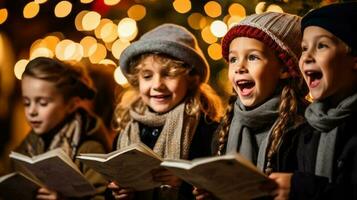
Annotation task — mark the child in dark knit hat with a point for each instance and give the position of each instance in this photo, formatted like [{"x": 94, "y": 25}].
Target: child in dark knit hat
[
  {"x": 174, "y": 111},
  {"x": 265, "y": 116},
  {"x": 328, "y": 156}
]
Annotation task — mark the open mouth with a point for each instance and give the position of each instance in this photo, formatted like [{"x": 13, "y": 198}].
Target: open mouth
[
  {"x": 245, "y": 87},
  {"x": 313, "y": 78},
  {"x": 161, "y": 97}
]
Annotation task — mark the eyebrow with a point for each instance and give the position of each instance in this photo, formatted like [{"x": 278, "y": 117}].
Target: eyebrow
[{"x": 248, "y": 50}]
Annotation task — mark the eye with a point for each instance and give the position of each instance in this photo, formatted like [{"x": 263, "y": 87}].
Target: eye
[
  {"x": 146, "y": 75},
  {"x": 303, "y": 48},
  {"x": 26, "y": 102},
  {"x": 232, "y": 59},
  {"x": 253, "y": 57},
  {"x": 43, "y": 102},
  {"x": 321, "y": 45}
]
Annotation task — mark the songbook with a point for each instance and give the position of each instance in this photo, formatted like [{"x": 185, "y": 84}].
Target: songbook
[
  {"x": 54, "y": 170},
  {"x": 227, "y": 177},
  {"x": 17, "y": 186},
  {"x": 130, "y": 166}
]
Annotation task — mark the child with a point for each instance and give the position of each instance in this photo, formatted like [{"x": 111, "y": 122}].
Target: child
[
  {"x": 328, "y": 156},
  {"x": 264, "y": 120},
  {"x": 175, "y": 111},
  {"x": 51, "y": 93}
]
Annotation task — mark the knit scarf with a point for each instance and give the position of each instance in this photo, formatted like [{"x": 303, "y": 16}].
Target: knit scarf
[
  {"x": 327, "y": 120},
  {"x": 67, "y": 138},
  {"x": 246, "y": 125},
  {"x": 176, "y": 135}
]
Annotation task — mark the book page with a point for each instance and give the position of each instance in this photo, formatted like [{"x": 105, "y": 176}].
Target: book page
[
  {"x": 225, "y": 177},
  {"x": 16, "y": 186},
  {"x": 130, "y": 167},
  {"x": 57, "y": 175}
]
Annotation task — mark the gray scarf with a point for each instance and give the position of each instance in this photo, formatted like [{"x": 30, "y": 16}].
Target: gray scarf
[
  {"x": 326, "y": 120},
  {"x": 249, "y": 131}
]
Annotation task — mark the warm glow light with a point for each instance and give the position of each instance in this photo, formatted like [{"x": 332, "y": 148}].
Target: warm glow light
[
  {"x": 107, "y": 62},
  {"x": 118, "y": 47},
  {"x": 19, "y": 68},
  {"x": 215, "y": 51},
  {"x": 86, "y": 1},
  {"x": 223, "y": 82},
  {"x": 213, "y": 9},
  {"x": 97, "y": 31},
  {"x": 119, "y": 77},
  {"x": 111, "y": 2},
  {"x": 218, "y": 28},
  {"x": 3, "y": 15},
  {"x": 109, "y": 32},
  {"x": 203, "y": 22},
  {"x": 236, "y": 9},
  {"x": 260, "y": 7},
  {"x": 194, "y": 20},
  {"x": 31, "y": 10},
  {"x": 127, "y": 29},
  {"x": 182, "y": 6},
  {"x": 137, "y": 12},
  {"x": 91, "y": 20},
  {"x": 234, "y": 20},
  {"x": 89, "y": 45},
  {"x": 41, "y": 52},
  {"x": 63, "y": 8},
  {"x": 79, "y": 19},
  {"x": 207, "y": 36},
  {"x": 40, "y": 1},
  {"x": 99, "y": 54},
  {"x": 51, "y": 41},
  {"x": 275, "y": 8}
]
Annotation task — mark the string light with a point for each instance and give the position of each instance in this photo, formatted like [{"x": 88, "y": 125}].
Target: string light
[{"x": 3, "y": 15}]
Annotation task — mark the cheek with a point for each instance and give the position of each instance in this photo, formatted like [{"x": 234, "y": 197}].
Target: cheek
[{"x": 231, "y": 74}]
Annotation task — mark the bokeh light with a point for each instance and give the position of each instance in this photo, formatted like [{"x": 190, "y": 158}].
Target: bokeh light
[
  {"x": 182, "y": 6},
  {"x": 3, "y": 15},
  {"x": 127, "y": 29},
  {"x": 207, "y": 36},
  {"x": 237, "y": 9},
  {"x": 218, "y": 28},
  {"x": 31, "y": 10},
  {"x": 20, "y": 67},
  {"x": 118, "y": 47},
  {"x": 90, "y": 20},
  {"x": 275, "y": 8},
  {"x": 213, "y": 9},
  {"x": 194, "y": 20},
  {"x": 119, "y": 77},
  {"x": 137, "y": 12},
  {"x": 63, "y": 9},
  {"x": 215, "y": 51}
]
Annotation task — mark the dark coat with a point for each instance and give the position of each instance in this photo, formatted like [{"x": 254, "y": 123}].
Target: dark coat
[
  {"x": 305, "y": 185},
  {"x": 200, "y": 147},
  {"x": 95, "y": 142}
]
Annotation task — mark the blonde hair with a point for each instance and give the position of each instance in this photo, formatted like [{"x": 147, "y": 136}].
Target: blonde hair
[{"x": 200, "y": 96}]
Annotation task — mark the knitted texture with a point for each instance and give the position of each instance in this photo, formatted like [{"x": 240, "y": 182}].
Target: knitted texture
[
  {"x": 170, "y": 39},
  {"x": 279, "y": 31},
  {"x": 339, "y": 19}
]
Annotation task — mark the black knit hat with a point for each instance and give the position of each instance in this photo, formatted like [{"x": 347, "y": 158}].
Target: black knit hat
[{"x": 340, "y": 19}]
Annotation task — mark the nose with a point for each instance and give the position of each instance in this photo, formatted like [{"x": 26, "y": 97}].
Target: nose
[
  {"x": 307, "y": 57},
  {"x": 157, "y": 82},
  {"x": 32, "y": 110},
  {"x": 241, "y": 68}
]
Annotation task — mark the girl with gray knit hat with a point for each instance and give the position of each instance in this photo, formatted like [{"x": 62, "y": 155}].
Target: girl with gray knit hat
[
  {"x": 173, "y": 110},
  {"x": 265, "y": 116}
]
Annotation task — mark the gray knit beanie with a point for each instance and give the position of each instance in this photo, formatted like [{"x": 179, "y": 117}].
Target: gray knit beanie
[
  {"x": 172, "y": 40},
  {"x": 279, "y": 31}
]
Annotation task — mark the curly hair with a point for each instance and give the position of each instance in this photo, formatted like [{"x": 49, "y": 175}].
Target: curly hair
[{"x": 200, "y": 96}]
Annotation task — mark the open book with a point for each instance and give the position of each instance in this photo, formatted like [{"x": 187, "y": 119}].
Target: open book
[
  {"x": 130, "y": 166},
  {"x": 17, "y": 186},
  {"x": 54, "y": 170},
  {"x": 227, "y": 177}
]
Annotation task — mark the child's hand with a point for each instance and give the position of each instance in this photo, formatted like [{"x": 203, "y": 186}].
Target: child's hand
[
  {"x": 166, "y": 178},
  {"x": 201, "y": 194},
  {"x": 120, "y": 192},
  {"x": 283, "y": 185},
  {"x": 46, "y": 194}
]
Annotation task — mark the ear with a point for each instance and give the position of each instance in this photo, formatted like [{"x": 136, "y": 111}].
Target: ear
[{"x": 73, "y": 104}]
